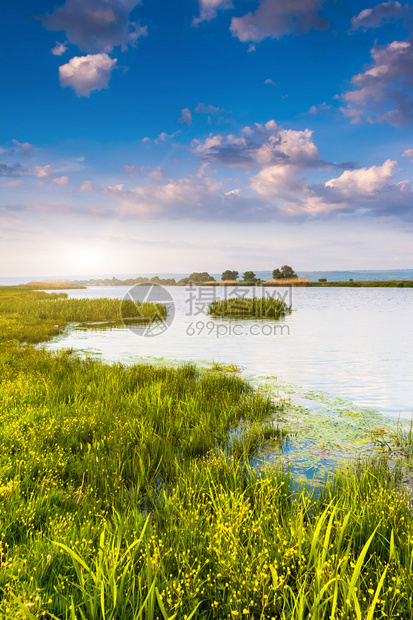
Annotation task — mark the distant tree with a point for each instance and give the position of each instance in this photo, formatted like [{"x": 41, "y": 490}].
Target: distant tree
[
  {"x": 285, "y": 272},
  {"x": 288, "y": 272},
  {"x": 322, "y": 279},
  {"x": 201, "y": 277},
  {"x": 249, "y": 276},
  {"x": 229, "y": 275},
  {"x": 351, "y": 280}
]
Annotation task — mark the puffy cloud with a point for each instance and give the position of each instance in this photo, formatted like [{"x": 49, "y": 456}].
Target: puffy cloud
[
  {"x": 207, "y": 145},
  {"x": 363, "y": 181},
  {"x": 385, "y": 89},
  {"x": 208, "y": 9},
  {"x": 87, "y": 73},
  {"x": 163, "y": 136},
  {"x": 371, "y": 191},
  {"x": 271, "y": 180},
  {"x": 64, "y": 180},
  {"x": 408, "y": 153},
  {"x": 277, "y": 18},
  {"x": 186, "y": 117},
  {"x": 289, "y": 146},
  {"x": 59, "y": 49},
  {"x": 43, "y": 172},
  {"x": 96, "y": 25},
  {"x": 201, "y": 108},
  {"x": 380, "y": 14},
  {"x": 87, "y": 187},
  {"x": 269, "y": 81},
  {"x": 262, "y": 145}
]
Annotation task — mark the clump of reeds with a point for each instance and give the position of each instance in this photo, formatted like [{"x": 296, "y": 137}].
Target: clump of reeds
[
  {"x": 35, "y": 316},
  {"x": 254, "y": 308}
]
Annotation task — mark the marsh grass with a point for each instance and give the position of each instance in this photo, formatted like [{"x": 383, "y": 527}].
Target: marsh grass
[
  {"x": 36, "y": 316},
  {"x": 128, "y": 493},
  {"x": 254, "y": 308}
]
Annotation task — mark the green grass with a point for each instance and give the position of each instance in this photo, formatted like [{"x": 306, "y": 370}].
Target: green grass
[
  {"x": 127, "y": 493},
  {"x": 254, "y": 308},
  {"x": 36, "y": 316}
]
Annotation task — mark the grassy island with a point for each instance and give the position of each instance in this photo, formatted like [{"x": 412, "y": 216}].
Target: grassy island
[
  {"x": 254, "y": 308},
  {"x": 129, "y": 493},
  {"x": 57, "y": 285}
]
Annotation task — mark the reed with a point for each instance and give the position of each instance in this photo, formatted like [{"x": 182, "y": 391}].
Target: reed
[
  {"x": 36, "y": 316},
  {"x": 254, "y": 308}
]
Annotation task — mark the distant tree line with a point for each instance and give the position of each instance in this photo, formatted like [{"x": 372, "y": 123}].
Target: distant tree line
[{"x": 203, "y": 277}]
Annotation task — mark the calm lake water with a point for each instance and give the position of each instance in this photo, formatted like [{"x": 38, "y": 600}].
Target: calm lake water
[{"x": 354, "y": 343}]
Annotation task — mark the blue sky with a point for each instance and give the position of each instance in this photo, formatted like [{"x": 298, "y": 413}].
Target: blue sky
[{"x": 204, "y": 135}]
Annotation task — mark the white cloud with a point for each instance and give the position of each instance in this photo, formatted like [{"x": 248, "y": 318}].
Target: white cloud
[
  {"x": 251, "y": 48},
  {"x": 379, "y": 15},
  {"x": 260, "y": 146},
  {"x": 233, "y": 192},
  {"x": 408, "y": 153},
  {"x": 269, "y": 81},
  {"x": 177, "y": 198},
  {"x": 25, "y": 147},
  {"x": 59, "y": 49},
  {"x": 64, "y": 180},
  {"x": 208, "y": 144},
  {"x": 364, "y": 191},
  {"x": 43, "y": 172},
  {"x": 201, "y": 170},
  {"x": 96, "y": 25},
  {"x": 87, "y": 73},
  {"x": 296, "y": 147},
  {"x": 364, "y": 180},
  {"x": 272, "y": 179},
  {"x": 186, "y": 117},
  {"x": 385, "y": 89},
  {"x": 277, "y": 18},
  {"x": 208, "y": 9},
  {"x": 87, "y": 187},
  {"x": 201, "y": 108},
  {"x": 321, "y": 107},
  {"x": 163, "y": 136}
]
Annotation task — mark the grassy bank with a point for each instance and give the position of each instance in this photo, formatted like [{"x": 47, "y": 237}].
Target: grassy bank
[
  {"x": 36, "y": 316},
  {"x": 368, "y": 283},
  {"x": 255, "y": 308},
  {"x": 127, "y": 494}
]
